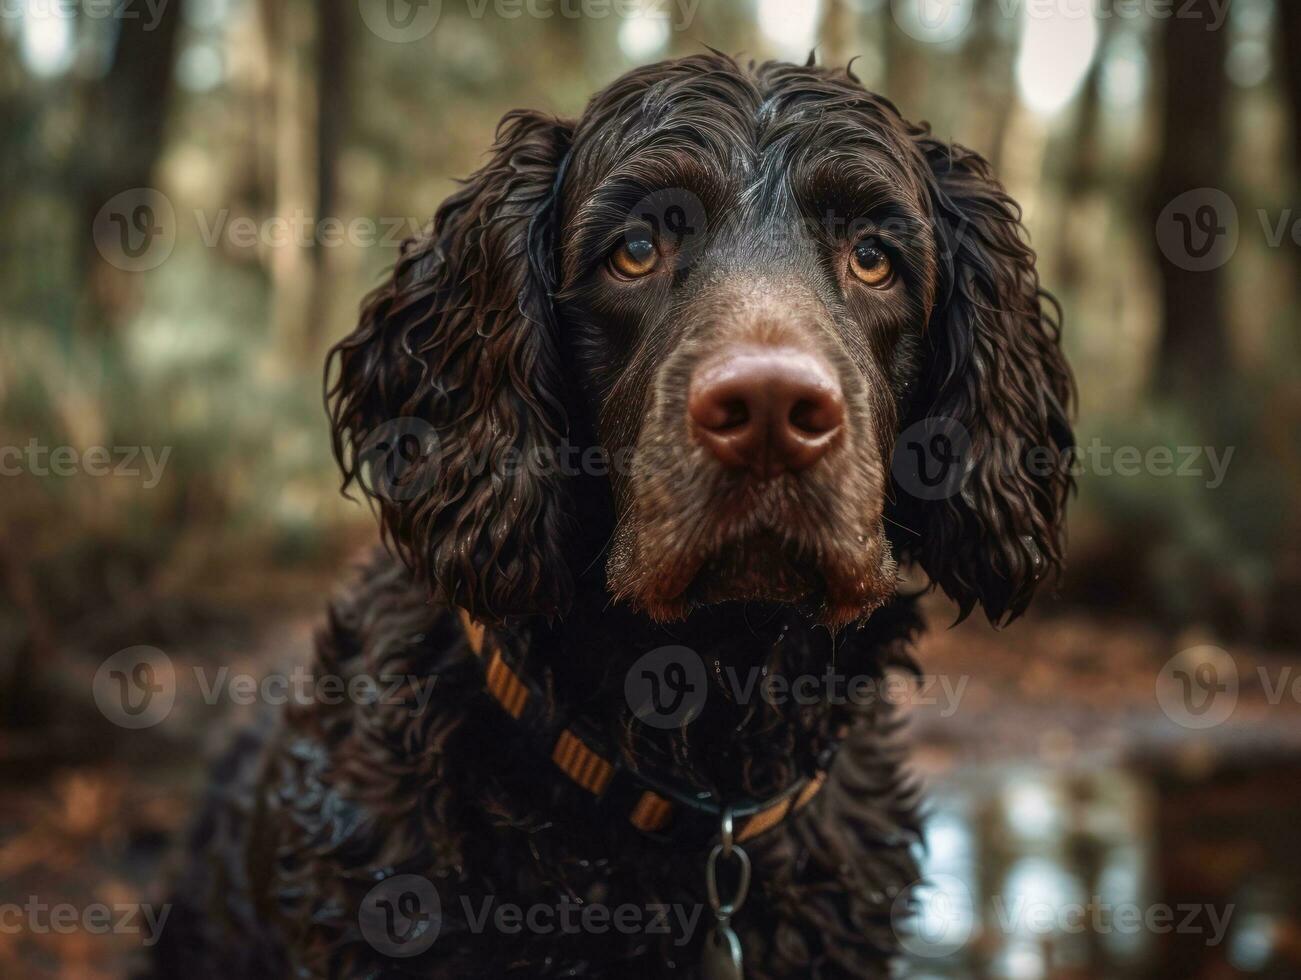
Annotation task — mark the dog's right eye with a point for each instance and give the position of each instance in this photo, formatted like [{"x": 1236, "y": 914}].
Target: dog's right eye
[
  {"x": 871, "y": 265},
  {"x": 634, "y": 258}
]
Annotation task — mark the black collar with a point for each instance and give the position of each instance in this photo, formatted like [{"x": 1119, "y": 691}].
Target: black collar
[{"x": 656, "y": 804}]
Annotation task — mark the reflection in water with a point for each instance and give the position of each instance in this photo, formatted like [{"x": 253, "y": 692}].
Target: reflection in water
[{"x": 1059, "y": 876}]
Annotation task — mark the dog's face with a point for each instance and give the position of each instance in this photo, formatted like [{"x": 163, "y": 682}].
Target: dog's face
[
  {"x": 746, "y": 270},
  {"x": 747, "y": 282}
]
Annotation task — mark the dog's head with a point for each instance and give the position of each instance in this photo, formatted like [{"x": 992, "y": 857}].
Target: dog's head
[{"x": 743, "y": 285}]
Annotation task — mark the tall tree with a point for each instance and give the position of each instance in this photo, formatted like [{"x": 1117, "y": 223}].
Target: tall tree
[
  {"x": 905, "y": 67},
  {"x": 1290, "y": 38},
  {"x": 1194, "y": 347},
  {"x": 333, "y": 61},
  {"x": 837, "y": 34},
  {"x": 122, "y": 137},
  {"x": 1083, "y": 177},
  {"x": 288, "y": 27},
  {"x": 1279, "y": 424},
  {"x": 990, "y": 89}
]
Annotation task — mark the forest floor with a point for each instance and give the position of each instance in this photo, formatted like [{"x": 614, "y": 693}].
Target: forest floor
[{"x": 80, "y": 830}]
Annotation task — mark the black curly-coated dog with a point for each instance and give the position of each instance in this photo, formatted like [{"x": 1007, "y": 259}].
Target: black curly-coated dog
[{"x": 631, "y": 417}]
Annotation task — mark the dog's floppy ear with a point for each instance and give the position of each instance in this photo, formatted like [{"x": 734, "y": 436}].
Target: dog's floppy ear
[
  {"x": 445, "y": 401},
  {"x": 994, "y": 393}
]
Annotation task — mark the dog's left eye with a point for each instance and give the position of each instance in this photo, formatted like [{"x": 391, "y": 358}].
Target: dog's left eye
[
  {"x": 634, "y": 258},
  {"x": 871, "y": 265}
]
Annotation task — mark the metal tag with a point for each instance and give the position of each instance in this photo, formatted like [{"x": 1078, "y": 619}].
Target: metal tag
[{"x": 722, "y": 955}]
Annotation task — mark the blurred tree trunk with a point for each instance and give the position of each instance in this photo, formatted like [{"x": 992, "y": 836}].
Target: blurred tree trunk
[
  {"x": 989, "y": 86},
  {"x": 122, "y": 138},
  {"x": 1083, "y": 171},
  {"x": 333, "y": 60},
  {"x": 1280, "y": 420},
  {"x": 984, "y": 115},
  {"x": 1193, "y": 351},
  {"x": 905, "y": 69},
  {"x": 288, "y": 26},
  {"x": 24, "y": 655},
  {"x": 837, "y": 34},
  {"x": 1289, "y": 15},
  {"x": 12, "y": 122}
]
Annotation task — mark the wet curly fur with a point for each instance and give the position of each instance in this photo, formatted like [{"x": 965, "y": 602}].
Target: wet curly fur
[{"x": 495, "y": 329}]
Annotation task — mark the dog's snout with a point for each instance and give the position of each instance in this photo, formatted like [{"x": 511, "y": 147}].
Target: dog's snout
[{"x": 769, "y": 410}]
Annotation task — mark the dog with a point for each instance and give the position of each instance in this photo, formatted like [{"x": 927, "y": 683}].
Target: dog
[{"x": 652, "y": 417}]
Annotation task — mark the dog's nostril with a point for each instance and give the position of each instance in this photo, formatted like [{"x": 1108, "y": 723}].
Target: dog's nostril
[
  {"x": 714, "y": 412},
  {"x": 813, "y": 417},
  {"x": 735, "y": 413}
]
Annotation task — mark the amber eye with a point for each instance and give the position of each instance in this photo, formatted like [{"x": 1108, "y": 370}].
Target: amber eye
[
  {"x": 634, "y": 258},
  {"x": 871, "y": 265}
]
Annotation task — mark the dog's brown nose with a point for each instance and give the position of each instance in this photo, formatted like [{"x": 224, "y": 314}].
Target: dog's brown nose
[{"x": 766, "y": 409}]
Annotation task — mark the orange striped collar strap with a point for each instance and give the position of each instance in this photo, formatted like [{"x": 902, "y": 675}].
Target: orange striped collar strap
[{"x": 651, "y": 803}]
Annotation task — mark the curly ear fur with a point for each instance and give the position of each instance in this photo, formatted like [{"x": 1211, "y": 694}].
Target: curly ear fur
[
  {"x": 461, "y": 337},
  {"x": 993, "y": 362}
]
